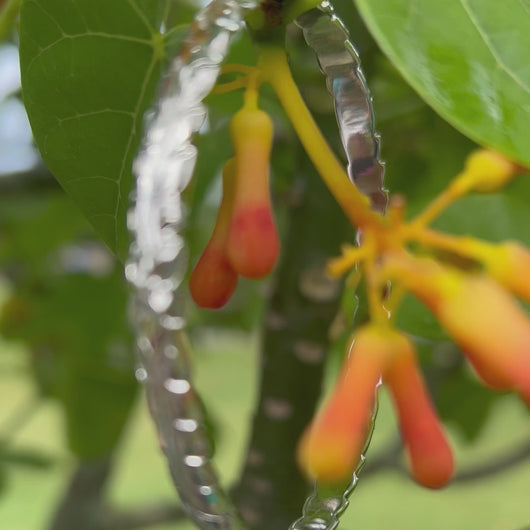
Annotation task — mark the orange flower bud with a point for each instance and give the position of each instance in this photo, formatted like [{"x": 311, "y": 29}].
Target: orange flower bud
[
  {"x": 331, "y": 447},
  {"x": 485, "y": 322},
  {"x": 252, "y": 245},
  {"x": 492, "y": 331},
  {"x": 429, "y": 453},
  {"x": 213, "y": 279}
]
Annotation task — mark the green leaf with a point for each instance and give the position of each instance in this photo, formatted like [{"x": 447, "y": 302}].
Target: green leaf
[
  {"x": 89, "y": 71},
  {"x": 467, "y": 58}
]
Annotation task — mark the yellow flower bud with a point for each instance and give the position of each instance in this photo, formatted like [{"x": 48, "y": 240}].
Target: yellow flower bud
[
  {"x": 253, "y": 244},
  {"x": 487, "y": 171}
]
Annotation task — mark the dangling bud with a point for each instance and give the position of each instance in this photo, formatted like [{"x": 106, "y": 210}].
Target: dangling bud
[
  {"x": 331, "y": 447},
  {"x": 252, "y": 244},
  {"x": 485, "y": 322},
  {"x": 430, "y": 456},
  {"x": 492, "y": 331},
  {"x": 213, "y": 279}
]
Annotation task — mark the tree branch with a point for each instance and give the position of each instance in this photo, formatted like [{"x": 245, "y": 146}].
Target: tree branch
[{"x": 80, "y": 507}]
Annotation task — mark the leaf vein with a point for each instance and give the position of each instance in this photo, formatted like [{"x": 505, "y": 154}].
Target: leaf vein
[
  {"x": 102, "y": 214},
  {"x": 142, "y": 17},
  {"x": 126, "y": 38},
  {"x": 491, "y": 47},
  {"x": 49, "y": 15},
  {"x": 91, "y": 177},
  {"x": 96, "y": 113}
]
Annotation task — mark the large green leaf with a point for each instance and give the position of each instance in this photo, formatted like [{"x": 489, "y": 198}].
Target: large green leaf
[
  {"x": 89, "y": 71},
  {"x": 467, "y": 58}
]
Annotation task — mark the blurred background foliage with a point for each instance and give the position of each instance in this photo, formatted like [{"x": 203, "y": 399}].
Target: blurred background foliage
[{"x": 77, "y": 449}]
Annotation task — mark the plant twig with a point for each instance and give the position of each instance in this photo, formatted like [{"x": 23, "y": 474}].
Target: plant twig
[{"x": 80, "y": 507}]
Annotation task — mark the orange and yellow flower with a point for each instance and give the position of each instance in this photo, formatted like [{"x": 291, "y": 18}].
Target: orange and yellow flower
[
  {"x": 332, "y": 445},
  {"x": 474, "y": 306},
  {"x": 244, "y": 241},
  {"x": 253, "y": 244},
  {"x": 473, "y": 303}
]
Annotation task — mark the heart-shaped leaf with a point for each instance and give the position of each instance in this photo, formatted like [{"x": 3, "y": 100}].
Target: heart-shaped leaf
[
  {"x": 467, "y": 58},
  {"x": 89, "y": 71}
]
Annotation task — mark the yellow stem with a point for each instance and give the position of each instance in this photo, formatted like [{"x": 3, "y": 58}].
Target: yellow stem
[
  {"x": 464, "y": 246},
  {"x": 224, "y": 88},
  {"x": 336, "y": 267},
  {"x": 251, "y": 93},
  {"x": 458, "y": 188},
  {"x": 392, "y": 302},
  {"x": 275, "y": 69},
  {"x": 374, "y": 285},
  {"x": 434, "y": 209},
  {"x": 374, "y": 291}
]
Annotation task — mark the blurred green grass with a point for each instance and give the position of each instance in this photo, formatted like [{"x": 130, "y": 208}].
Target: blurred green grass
[{"x": 226, "y": 374}]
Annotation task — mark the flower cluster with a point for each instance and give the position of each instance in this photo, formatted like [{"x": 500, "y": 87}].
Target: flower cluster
[
  {"x": 332, "y": 447},
  {"x": 244, "y": 241},
  {"x": 475, "y": 305}
]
